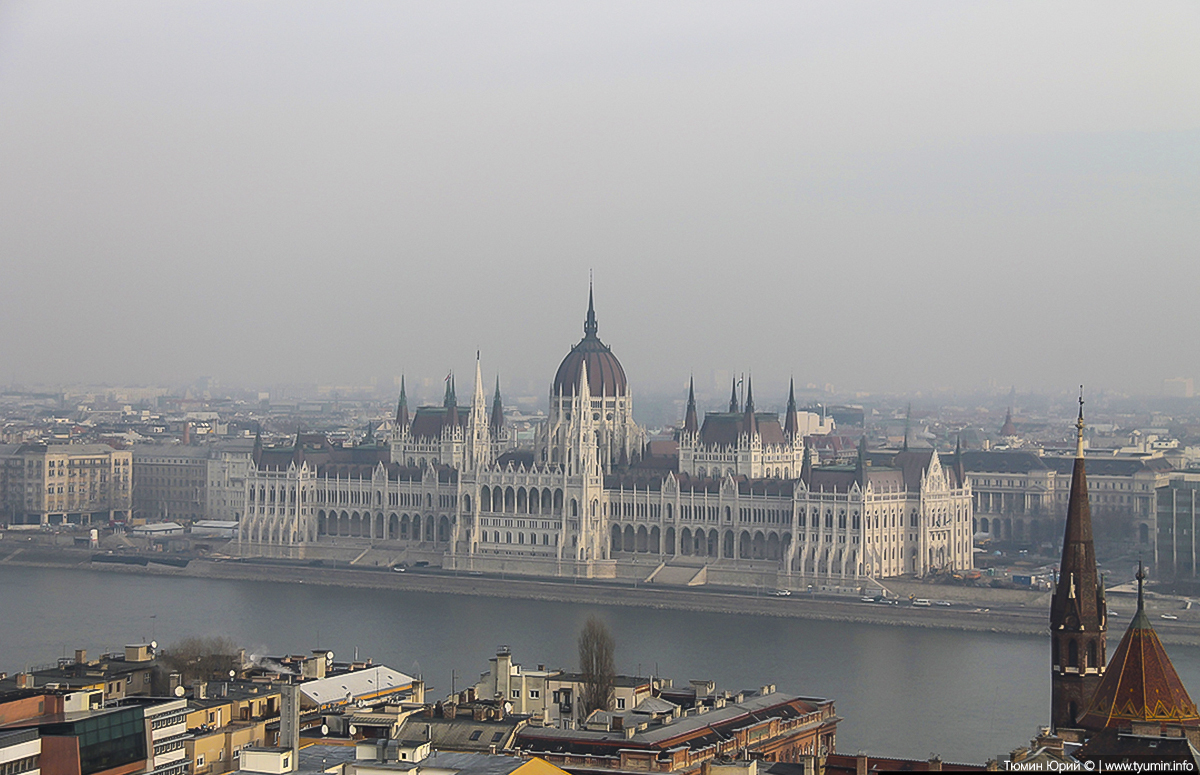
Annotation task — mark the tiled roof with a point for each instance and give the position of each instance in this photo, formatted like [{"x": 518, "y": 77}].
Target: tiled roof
[{"x": 1140, "y": 684}]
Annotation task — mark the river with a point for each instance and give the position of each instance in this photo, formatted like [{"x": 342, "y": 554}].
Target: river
[{"x": 905, "y": 692}]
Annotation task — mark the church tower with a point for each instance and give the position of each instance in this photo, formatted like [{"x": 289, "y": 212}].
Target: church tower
[{"x": 1078, "y": 614}]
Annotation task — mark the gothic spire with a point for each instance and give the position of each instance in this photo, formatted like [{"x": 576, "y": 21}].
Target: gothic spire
[
  {"x": 1078, "y": 616},
  {"x": 806, "y": 466},
  {"x": 791, "y": 423},
  {"x": 958, "y": 461},
  {"x": 690, "y": 423},
  {"x": 907, "y": 426},
  {"x": 402, "y": 409},
  {"x": 860, "y": 467},
  {"x": 257, "y": 453},
  {"x": 589, "y": 323},
  {"x": 497, "y": 421},
  {"x": 733, "y": 402},
  {"x": 749, "y": 422}
]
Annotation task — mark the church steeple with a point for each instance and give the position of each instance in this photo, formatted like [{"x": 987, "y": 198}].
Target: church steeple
[
  {"x": 733, "y": 402},
  {"x": 1078, "y": 613},
  {"x": 690, "y": 422}
]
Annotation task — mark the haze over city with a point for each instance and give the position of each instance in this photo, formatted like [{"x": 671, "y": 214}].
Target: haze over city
[{"x": 882, "y": 197}]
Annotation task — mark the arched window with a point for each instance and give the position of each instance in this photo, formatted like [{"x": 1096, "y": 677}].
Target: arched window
[
  {"x": 1073, "y": 654},
  {"x": 1091, "y": 656}
]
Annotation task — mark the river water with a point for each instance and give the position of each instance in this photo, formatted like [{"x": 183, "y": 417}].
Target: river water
[{"x": 901, "y": 691}]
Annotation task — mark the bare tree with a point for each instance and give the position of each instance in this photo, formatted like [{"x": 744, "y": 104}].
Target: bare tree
[
  {"x": 596, "y": 649},
  {"x": 200, "y": 658}
]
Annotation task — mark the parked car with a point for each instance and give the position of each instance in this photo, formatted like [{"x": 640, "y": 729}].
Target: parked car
[{"x": 782, "y": 593}]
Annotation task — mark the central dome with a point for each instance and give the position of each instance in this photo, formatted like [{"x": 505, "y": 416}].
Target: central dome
[{"x": 605, "y": 375}]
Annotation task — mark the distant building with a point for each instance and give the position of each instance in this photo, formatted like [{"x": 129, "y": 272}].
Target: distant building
[
  {"x": 1179, "y": 387},
  {"x": 55, "y": 484},
  {"x": 1177, "y": 546},
  {"x": 1022, "y": 495},
  {"x": 170, "y": 482},
  {"x": 732, "y": 502}
]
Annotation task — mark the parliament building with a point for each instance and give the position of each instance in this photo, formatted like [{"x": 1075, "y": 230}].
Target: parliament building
[{"x": 736, "y": 498}]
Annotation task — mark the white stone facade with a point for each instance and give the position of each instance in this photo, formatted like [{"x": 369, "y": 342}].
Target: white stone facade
[{"x": 452, "y": 487}]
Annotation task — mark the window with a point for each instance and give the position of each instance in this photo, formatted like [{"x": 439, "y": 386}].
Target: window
[
  {"x": 620, "y": 703},
  {"x": 199, "y": 761},
  {"x": 497, "y": 737},
  {"x": 516, "y": 694},
  {"x": 534, "y": 694},
  {"x": 476, "y": 734}
]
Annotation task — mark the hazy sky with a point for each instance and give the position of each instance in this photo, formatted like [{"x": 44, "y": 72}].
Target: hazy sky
[{"x": 879, "y": 196}]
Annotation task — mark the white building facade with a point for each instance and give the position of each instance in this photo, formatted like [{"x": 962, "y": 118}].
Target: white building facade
[{"x": 737, "y": 503}]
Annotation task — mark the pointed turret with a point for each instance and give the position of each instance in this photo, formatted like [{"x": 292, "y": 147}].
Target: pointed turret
[
  {"x": 497, "y": 420},
  {"x": 733, "y": 402},
  {"x": 690, "y": 423},
  {"x": 749, "y": 422},
  {"x": 1078, "y": 615},
  {"x": 257, "y": 453},
  {"x": 1140, "y": 685},
  {"x": 907, "y": 427},
  {"x": 860, "y": 466},
  {"x": 806, "y": 466},
  {"x": 477, "y": 399},
  {"x": 451, "y": 402},
  {"x": 959, "y": 470},
  {"x": 402, "y": 410},
  {"x": 791, "y": 423}
]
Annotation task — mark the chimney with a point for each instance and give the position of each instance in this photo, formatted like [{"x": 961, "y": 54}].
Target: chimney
[
  {"x": 935, "y": 763},
  {"x": 200, "y": 689},
  {"x": 860, "y": 764},
  {"x": 24, "y": 681},
  {"x": 81, "y": 656},
  {"x": 173, "y": 682}
]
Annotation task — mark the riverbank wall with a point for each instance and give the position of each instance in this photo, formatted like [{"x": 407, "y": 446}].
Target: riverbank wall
[{"x": 990, "y": 613}]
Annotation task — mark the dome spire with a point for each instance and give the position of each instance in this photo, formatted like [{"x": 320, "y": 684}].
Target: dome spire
[{"x": 589, "y": 323}]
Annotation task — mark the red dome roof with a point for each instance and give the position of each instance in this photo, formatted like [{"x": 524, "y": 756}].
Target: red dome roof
[{"x": 605, "y": 375}]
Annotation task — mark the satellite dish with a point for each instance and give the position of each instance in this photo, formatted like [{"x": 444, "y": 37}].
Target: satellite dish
[
  {"x": 353, "y": 730},
  {"x": 153, "y": 644},
  {"x": 232, "y": 673},
  {"x": 328, "y": 656},
  {"x": 324, "y": 729},
  {"x": 180, "y": 691}
]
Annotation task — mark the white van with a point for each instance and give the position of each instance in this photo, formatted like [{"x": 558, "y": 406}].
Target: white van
[{"x": 922, "y": 602}]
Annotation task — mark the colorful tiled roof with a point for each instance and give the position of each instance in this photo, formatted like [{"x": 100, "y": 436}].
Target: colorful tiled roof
[{"x": 1140, "y": 683}]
